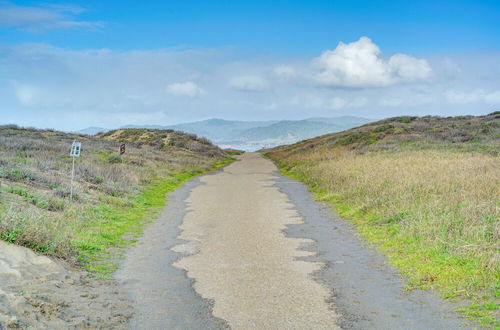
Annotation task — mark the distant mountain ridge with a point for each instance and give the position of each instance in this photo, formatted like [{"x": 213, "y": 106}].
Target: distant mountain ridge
[
  {"x": 92, "y": 130},
  {"x": 251, "y": 135}
]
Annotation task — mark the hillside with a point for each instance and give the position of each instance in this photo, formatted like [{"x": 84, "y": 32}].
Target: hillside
[
  {"x": 35, "y": 167},
  {"x": 252, "y": 135},
  {"x": 425, "y": 191},
  {"x": 114, "y": 197},
  {"x": 92, "y": 130},
  {"x": 214, "y": 129},
  {"x": 166, "y": 140},
  {"x": 290, "y": 131},
  {"x": 464, "y": 132}
]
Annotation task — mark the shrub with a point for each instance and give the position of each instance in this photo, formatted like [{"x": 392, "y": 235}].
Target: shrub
[
  {"x": 205, "y": 141},
  {"x": 10, "y": 126},
  {"x": 383, "y": 128},
  {"x": 38, "y": 201},
  {"x": 65, "y": 192},
  {"x": 56, "y": 205},
  {"x": 36, "y": 232},
  {"x": 405, "y": 120},
  {"x": 62, "y": 192},
  {"x": 18, "y": 191},
  {"x": 97, "y": 180},
  {"x": 15, "y": 174},
  {"x": 115, "y": 159}
]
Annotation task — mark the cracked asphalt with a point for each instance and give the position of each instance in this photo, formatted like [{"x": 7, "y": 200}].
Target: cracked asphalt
[{"x": 246, "y": 248}]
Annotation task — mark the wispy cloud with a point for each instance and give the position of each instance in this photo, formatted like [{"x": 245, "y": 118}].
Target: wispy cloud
[
  {"x": 71, "y": 89},
  {"x": 188, "y": 88},
  {"x": 249, "y": 83},
  {"x": 47, "y": 17},
  {"x": 473, "y": 96}
]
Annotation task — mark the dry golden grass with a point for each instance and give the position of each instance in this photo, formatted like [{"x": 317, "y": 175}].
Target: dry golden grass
[
  {"x": 425, "y": 190},
  {"x": 442, "y": 198}
]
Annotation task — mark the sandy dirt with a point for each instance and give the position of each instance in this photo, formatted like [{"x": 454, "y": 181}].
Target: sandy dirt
[{"x": 37, "y": 292}]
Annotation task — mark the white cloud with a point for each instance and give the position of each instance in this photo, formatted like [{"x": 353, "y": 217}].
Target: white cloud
[
  {"x": 413, "y": 99},
  {"x": 492, "y": 98},
  {"x": 338, "y": 103},
  {"x": 27, "y": 95},
  {"x": 249, "y": 83},
  {"x": 36, "y": 19},
  {"x": 188, "y": 88},
  {"x": 406, "y": 68},
  {"x": 107, "y": 88},
  {"x": 358, "y": 64},
  {"x": 284, "y": 71},
  {"x": 391, "y": 102},
  {"x": 475, "y": 96}
]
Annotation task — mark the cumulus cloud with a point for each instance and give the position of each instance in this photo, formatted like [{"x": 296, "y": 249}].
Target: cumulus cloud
[
  {"x": 188, "y": 88},
  {"x": 358, "y": 64},
  {"x": 36, "y": 19},
  {"x": 478, "y": 95},
  {"x": 109, "y": 88},
  {"x": 249, "y": 83}
]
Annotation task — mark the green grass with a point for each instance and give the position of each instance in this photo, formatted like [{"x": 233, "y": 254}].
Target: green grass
[
  {"x": 35, "y": 200},
  {"x": 458, "y": 278},
  {"x": 110, "y": 199},
  {"x": 482, "y": 312}
]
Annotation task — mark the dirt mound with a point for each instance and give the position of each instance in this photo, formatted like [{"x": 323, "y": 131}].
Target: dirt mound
[
  {"x": 42, "y": 293},
  {"x": 164, "y": 139}
]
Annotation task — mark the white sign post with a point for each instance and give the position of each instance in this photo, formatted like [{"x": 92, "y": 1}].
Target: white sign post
[{"x": 76, "y": 148}]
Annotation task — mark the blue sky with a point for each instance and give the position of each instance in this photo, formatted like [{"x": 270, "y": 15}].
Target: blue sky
[
  {"x": 299, "y": 27},
  {"x": 70, "y": 64}
]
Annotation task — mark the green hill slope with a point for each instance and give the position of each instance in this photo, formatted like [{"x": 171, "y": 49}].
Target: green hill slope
[
  {"x": 113, "y": 195},
  {"x": 479, "y": 133}
]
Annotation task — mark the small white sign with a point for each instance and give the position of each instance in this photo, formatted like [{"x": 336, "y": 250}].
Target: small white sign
[{"x": 76, "y": 148}]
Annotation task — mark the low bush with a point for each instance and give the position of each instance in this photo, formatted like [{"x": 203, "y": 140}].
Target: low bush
[
  {"x": 405, "y": 120},
  {"x": 15, "y": 174},
  {"x": 37, "y": 232},
  {"x": 115, "y": 159}
]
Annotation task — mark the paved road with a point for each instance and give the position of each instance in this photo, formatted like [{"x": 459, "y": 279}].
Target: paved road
[{"x": 245, "y": 248}]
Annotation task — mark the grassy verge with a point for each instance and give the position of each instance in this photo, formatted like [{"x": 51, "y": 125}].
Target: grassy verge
[
  {"x": 113, "y": 195},
  {"x": 433, "y": 213},
  {"x": 92, "y": 235},
  {"x": 98, "y": 242}
]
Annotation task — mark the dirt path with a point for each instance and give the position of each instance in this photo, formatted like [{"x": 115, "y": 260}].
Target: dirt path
[{"x": 246, "y": 248}]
